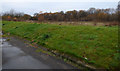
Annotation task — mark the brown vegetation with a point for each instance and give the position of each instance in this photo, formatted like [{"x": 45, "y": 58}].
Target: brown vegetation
[{"x": 94, "y": 15}]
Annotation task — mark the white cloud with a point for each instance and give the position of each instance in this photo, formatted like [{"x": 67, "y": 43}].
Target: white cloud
[
  {"x": 33, "y": 6},
  {"x": 59, "y": 0}
]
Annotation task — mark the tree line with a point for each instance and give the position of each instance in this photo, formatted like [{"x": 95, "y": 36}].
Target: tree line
[{"x": 91, "y": 14}]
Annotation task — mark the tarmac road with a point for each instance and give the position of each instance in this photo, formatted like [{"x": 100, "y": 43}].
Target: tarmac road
[{"x": 16, "y": 54}]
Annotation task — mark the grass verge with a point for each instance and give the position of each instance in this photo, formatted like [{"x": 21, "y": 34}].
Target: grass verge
[{"x": 97, "y": 46}]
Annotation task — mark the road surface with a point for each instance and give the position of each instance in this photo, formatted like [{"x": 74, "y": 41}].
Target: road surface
[{"x": 18, "y": 55}]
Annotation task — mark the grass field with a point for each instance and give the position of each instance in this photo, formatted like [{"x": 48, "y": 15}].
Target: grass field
[{"x": 97, "y": 45}]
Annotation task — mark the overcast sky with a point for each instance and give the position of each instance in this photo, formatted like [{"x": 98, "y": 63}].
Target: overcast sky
[{"x": 33, "y": 6}]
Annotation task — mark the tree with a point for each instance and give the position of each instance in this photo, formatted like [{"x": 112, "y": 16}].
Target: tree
[
  {"x": 26, "y": 17},
  {"x": 91, "y": 14},
  {"x": 102, "y": 16},
  {"x": 40, "y": 17},
  {"x": 82, "y": 14},
  {"x": 91, "y": 10},
  {"x": 118, "y": 11}
]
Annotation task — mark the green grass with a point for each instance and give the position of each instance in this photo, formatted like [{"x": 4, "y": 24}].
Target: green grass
[{"x": 98, "y": 44}]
